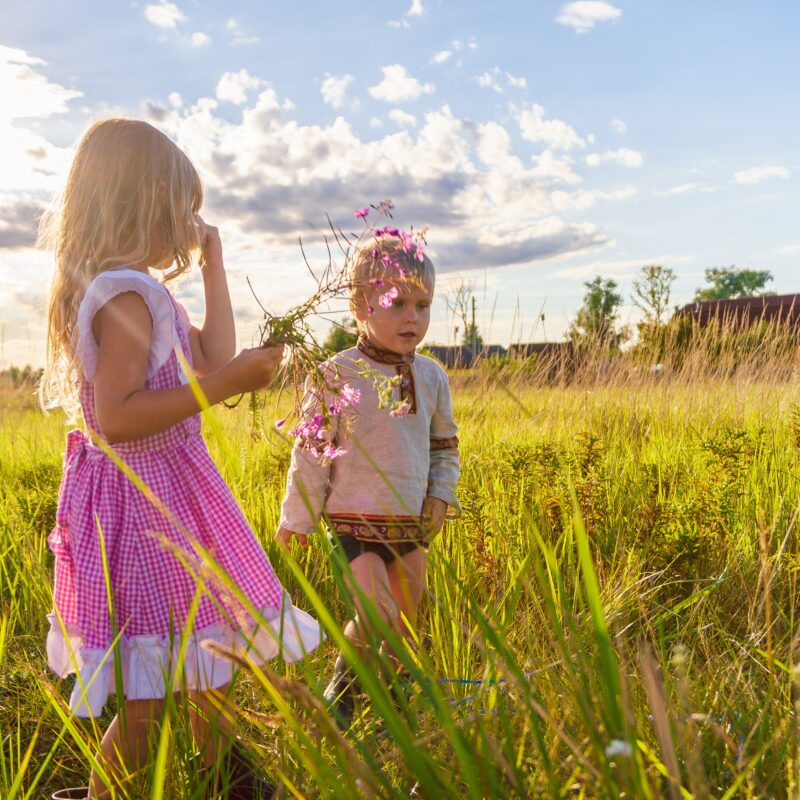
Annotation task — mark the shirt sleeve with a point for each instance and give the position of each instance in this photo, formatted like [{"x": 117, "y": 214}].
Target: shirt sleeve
[
  {"x": 309, "y": 475},
  {"x": 445, "y": 460}
]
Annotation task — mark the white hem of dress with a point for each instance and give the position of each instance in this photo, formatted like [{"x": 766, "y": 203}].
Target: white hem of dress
[{"x": 148, "y": 663}]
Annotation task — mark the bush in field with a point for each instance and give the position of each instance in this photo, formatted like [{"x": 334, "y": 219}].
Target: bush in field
[{"x": 595, "y": 328}]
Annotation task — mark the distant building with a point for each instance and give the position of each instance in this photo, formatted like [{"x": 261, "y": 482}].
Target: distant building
[
  {"x": 452, "y": 356},
  {"x": 541, "y": 349},
  {"x": 741, "y": 312},
  {"x": 462, "y": 356}
]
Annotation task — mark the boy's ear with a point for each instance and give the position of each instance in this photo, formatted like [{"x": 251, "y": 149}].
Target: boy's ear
[{"x": 358, "y": 306}]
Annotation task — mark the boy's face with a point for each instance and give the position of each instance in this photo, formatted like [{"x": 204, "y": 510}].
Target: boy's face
[{"x": 402, "y": 326}]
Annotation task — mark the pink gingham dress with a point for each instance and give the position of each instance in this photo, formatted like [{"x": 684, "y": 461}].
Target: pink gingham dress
[{"x": 159, "y": 553}]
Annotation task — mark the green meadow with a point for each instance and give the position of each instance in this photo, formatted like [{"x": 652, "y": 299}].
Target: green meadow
[{"x": 613, "y": 615}]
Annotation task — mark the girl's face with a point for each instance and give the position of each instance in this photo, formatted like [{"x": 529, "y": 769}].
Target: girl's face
[{"x": 402, "y": 326}]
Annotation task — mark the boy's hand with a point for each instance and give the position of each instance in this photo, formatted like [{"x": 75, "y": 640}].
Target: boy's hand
[
  {"x": 284, "y": 537},
  {"x": 434, "y": 511}
]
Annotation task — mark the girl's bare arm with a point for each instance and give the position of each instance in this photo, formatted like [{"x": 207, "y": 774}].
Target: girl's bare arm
[{"x": 126, "y": 409}]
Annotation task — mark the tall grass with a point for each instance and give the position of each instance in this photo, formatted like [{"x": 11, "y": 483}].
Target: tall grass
[{"x": 613, "y": 615}]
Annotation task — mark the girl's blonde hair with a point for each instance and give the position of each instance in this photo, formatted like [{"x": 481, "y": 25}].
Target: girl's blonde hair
[
  {"x": 383, "y": 260},
  {"x": 126, "y": 179}
]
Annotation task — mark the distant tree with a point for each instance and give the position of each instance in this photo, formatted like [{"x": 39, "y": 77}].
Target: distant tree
[
  {"x": 595, "y": 325},
  {"x": 341, "y": 335},
  {"x": 651, "y": 291},
  {"x": 461, "y": 304},
  {"x": 728, "y": 282}
]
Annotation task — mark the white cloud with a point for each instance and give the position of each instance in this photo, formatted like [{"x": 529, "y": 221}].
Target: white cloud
[
  {"x": 234, "y": 86},
  {"x": 554, "y": 169},
  {"x": 375, "y": 122},
  {"x": 685, "y": 188},
  {"x": 552, "y": 132},
  {"x": 758, "y": 174},
  {"x": 416, "y": 9},
  {"x": 402, "y": 118},
  {"x": 199, "y": 39},
  {"x": 398, "y": 86},
  {"x": 516, "y": 83},
  {"x": 399, "y": 23},
  {"x": 584, "y": 199},
  {"x": 163, "y": 14},
  {"x": 618, "y": 126},
  {"x": 624, "y": 157},
  {"x": 470, "y": 44},
  {"x": 583, "y": 15},
  {"x": 27, "y": 93},
  {"x": 334, "y": 89},
  {"x": 239, "y": 37},
  {"x": 441, "y": 56},
  {"x": 490, "y": 80}
]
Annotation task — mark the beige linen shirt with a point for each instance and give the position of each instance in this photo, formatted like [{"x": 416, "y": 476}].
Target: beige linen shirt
[{"x": 390, "y": 463}]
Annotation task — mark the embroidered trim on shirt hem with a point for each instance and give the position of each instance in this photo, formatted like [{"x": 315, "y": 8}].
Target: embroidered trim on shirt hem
[{"x": 377, "y": 528}]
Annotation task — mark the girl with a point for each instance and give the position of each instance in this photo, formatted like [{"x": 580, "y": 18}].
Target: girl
[
  {"x": 145, "y": 523},
  {"x": 387, "y": 494}
]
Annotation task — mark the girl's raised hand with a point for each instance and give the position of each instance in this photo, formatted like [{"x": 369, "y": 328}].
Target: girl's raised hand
[
  {"x": 284, "y": 538},
  {"x": 210, "y": 242},
  {"x": 254, "y": 368}
]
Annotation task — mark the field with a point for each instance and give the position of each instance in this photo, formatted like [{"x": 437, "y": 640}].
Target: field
[{"x": 620, "y": 593}]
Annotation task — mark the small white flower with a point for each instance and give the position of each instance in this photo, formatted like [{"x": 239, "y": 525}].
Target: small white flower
[{"x": 618, "y": 747}]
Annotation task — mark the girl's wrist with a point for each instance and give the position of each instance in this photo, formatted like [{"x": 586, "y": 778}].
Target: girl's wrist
[{"x": 212, "y": 263}]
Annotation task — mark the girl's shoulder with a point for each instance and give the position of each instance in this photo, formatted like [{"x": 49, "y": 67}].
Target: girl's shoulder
[{"x": 103, "y": 288}]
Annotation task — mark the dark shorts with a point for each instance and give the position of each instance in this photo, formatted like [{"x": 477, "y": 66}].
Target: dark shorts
[{"x": 388, "y": 551}]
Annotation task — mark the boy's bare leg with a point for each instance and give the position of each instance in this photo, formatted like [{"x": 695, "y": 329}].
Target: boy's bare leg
[
  {"x": 124, "y": 748},
  {"x": 371, "y": 578},
  {"x": 407, "y": 583}
]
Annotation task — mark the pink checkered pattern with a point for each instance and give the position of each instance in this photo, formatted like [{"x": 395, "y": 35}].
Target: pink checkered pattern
[{"x": 152, "y": 590}]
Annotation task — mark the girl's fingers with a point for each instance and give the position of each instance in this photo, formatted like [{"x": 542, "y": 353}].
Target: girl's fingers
[{"x": 302, "y": 539}]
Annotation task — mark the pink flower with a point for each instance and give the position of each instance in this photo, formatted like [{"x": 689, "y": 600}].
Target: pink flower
[
  {"x": 361, "y": 213},
  {"x": 408, "y": 241},
  {"x": 370, "y": 310},
  {"x": 401, "y": 410},
  {"x": 386, "y": 299},
  {"x": 350, "y": 394},
  {"x": 403, "y": 272},
  {"x": 420, "y": 254},
  {"x": 331, "y": 451},
  {"x": 280, "y": 422},
  {"x": 376, "y": 282}
]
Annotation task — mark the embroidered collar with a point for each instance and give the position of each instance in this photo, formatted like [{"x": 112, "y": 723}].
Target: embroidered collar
[{"x": 380, "y": 355}]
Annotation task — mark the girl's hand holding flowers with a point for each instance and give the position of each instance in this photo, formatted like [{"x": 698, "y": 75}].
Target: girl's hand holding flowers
[{"x": 255, "y": 367}]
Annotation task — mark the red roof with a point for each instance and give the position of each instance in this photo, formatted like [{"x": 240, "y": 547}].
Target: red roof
[{"x": 782, "y": 308}]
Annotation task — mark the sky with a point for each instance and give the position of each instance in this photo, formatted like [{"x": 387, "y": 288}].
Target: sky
[{"x": 541, "y": 143}]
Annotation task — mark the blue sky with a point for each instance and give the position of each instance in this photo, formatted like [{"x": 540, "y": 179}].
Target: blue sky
[{"x": 543, "y": 143}]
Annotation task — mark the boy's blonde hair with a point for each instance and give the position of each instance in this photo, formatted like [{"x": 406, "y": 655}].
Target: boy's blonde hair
[
  {"x": 386, "y": 259},
  {"x": 126, "y": 178}
]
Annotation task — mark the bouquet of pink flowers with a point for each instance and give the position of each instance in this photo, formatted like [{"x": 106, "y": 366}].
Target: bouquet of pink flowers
[{"x": 306, "y": 365}]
